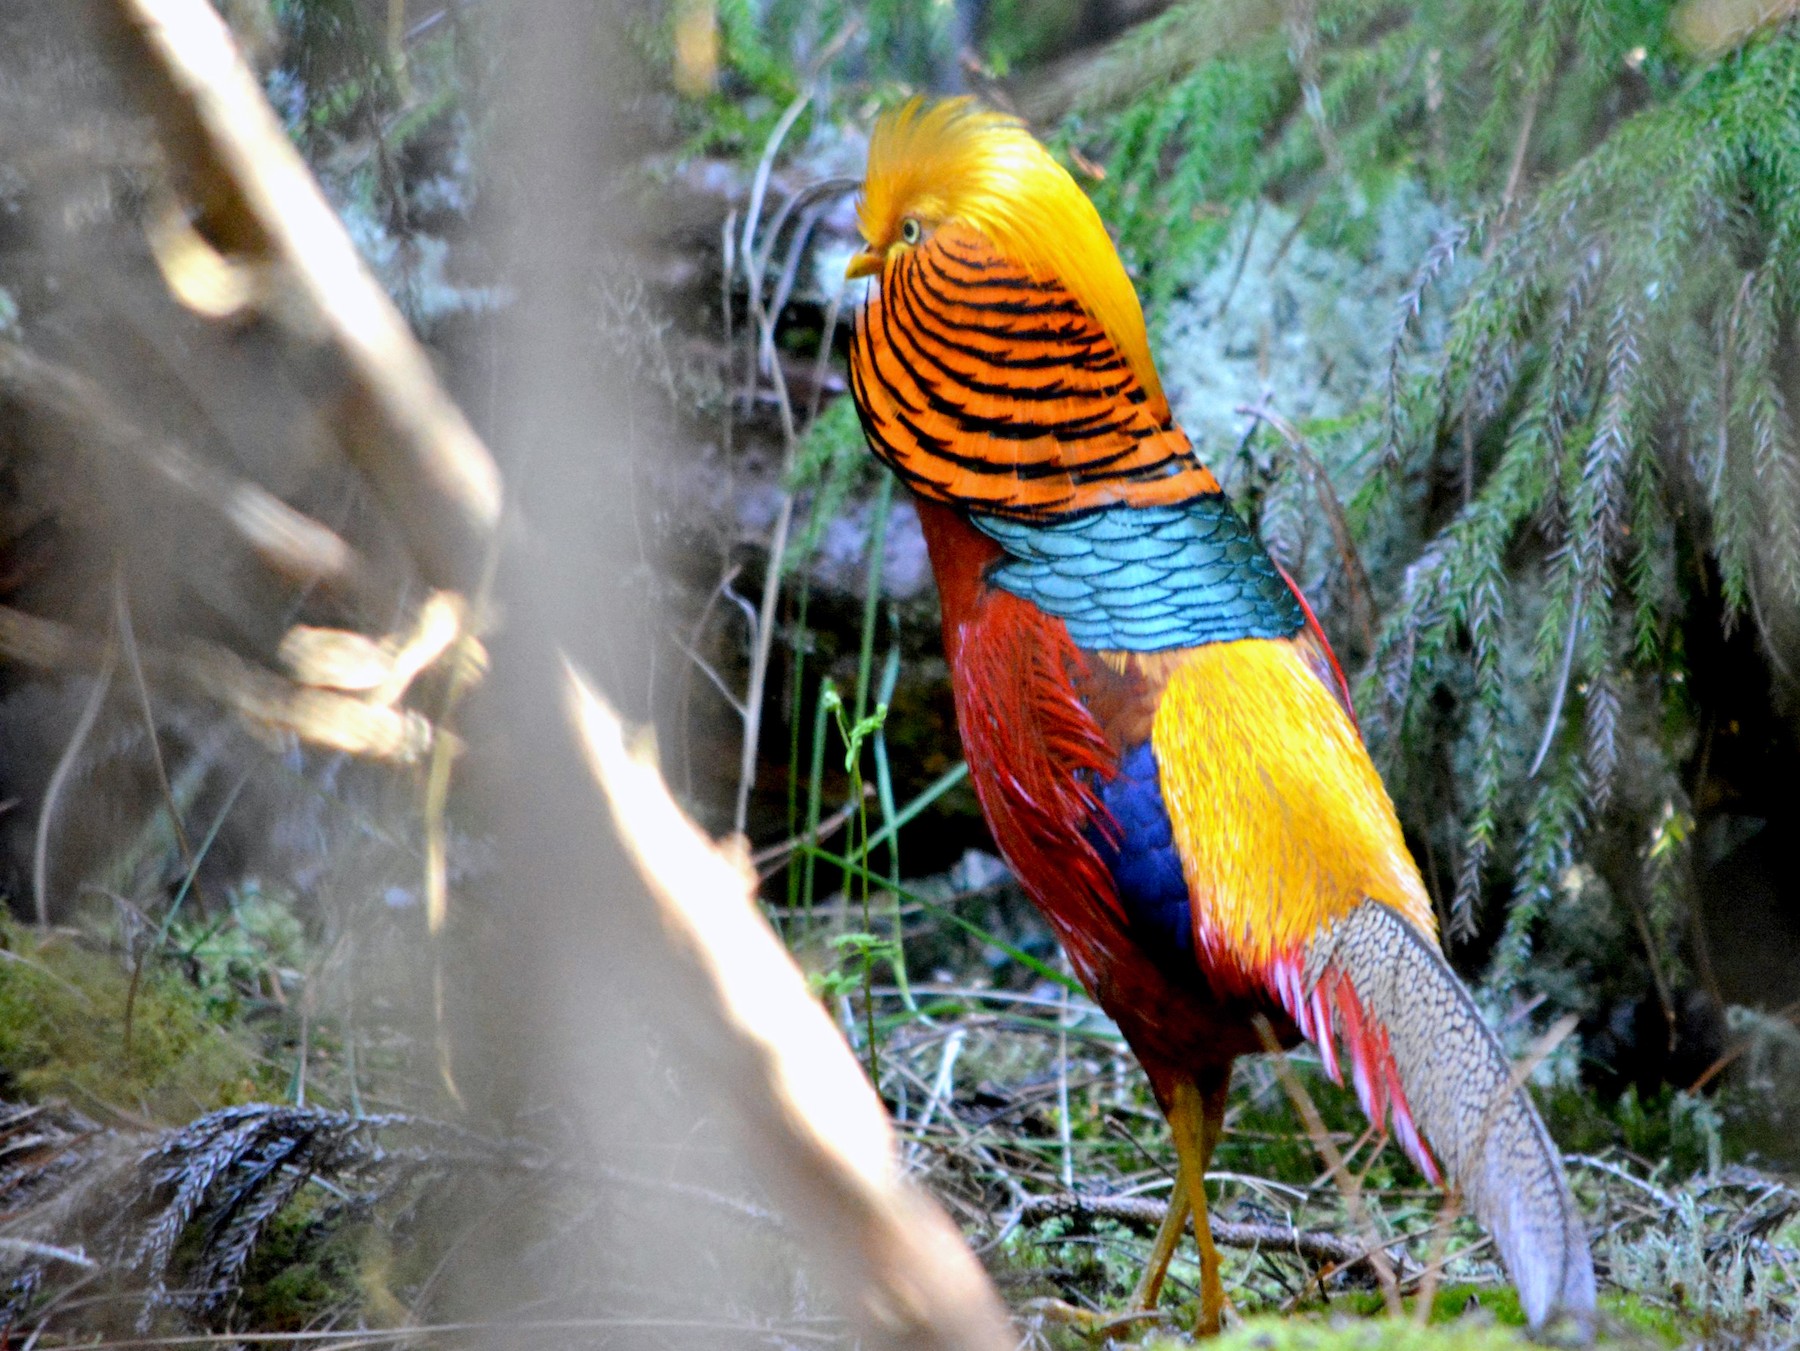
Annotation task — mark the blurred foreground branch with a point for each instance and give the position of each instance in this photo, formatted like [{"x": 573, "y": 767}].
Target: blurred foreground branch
[
  {"x": 79, "y": 410},
  {"x": 260, "y": 206},
  {"x": 821, "y": 1130},
  {"x": 263, "y": 699}
]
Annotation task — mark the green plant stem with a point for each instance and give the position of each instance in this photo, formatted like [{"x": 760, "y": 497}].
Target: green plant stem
[
  {"x": 884, "y": 793},
  {"x": 932, "y": 792},
  {"x": 814, "y": 791},
  {"x": 1024, "y": 959},
  {"x": 877, "y": 547},
  {"x": 795, "y": 713}
]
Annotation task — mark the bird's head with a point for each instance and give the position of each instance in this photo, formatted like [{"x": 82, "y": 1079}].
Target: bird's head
[{"x": 933, "y": 164}]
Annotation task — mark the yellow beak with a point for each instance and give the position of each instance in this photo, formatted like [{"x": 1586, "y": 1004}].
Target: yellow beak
[{"x": 865, "y": 264}]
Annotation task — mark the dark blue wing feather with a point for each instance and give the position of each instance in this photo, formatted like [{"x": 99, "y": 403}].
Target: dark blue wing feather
[{"x": 1143, "y": 860}]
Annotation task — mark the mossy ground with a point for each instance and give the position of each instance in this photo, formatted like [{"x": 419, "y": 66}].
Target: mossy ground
[
  {"x": 77, "y": 1022},
  {"x": 1463, "y": 1318}
]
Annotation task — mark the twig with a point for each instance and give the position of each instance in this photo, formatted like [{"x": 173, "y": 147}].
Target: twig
[
  {"x": 65, "y": 766},
  {"x": 396, "y": 47},
  {"x": 128, "y": 640},
  {"x": 1516, "y": 170},
  {"x": 1564, "y": 670},
  {"x": 763, "y": 635},
  {"x": 1237, "y": 270},
  {"x": 717, "y": 681},
  {"x": 759, "y": 185},
  {"x": 73, "y": 1256},
  {"x": 822, "y": 362},
  {"x": 1142, "y": 1213},
  {"x": 941, "y": 1084},
  {"x": 727, "y": 270},
  {"x": 1354, "y": 573},
  {"x": 776, "y": 854},
  {"x": 1439, "y": 1254},
  {"x": 1650, "y": 1189},
  {"x": 1065, "y": 1132},
  {"x": 1788, "y": 1011},
  {"x": 1302, "y": 24},
  {"x": 697, "y": 629}
]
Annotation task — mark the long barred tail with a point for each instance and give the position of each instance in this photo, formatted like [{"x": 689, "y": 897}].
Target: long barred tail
[{"x": 1457, "y": 1085}]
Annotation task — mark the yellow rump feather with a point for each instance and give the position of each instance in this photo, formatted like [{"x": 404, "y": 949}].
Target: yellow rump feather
[
  {"x": 955, "y": 161},
  {"x": 1281, "y": 821}
]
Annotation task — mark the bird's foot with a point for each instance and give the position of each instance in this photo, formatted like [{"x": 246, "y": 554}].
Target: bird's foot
[{"x": 1091, "y": 1322}]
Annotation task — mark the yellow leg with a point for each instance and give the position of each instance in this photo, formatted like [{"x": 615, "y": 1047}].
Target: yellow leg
[
  {"x": 1149, "y": 1285},
  {"x": 1197, "y": 1118},
  {"x": 1142, "y": 1306}
]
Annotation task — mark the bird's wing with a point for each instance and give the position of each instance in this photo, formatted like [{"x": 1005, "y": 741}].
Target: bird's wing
[{"x": 993, "y": 389}]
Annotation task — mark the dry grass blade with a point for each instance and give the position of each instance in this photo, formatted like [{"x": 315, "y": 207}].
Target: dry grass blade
[
  {"x": 1349, "y": 1185},
  {"x": 59, "y": 778},
  {"x": 1438, "y": 1255}
]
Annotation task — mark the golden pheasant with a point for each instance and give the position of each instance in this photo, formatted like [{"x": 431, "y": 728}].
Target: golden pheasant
[{"x": 1160, "y": 737}]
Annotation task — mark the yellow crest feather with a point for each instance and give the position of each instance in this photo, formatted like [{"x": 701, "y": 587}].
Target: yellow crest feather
[{"x": 954, "y": 161}]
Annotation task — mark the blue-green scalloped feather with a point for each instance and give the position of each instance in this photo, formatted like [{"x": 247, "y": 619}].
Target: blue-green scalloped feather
[{"x": 1144, "y": 579}]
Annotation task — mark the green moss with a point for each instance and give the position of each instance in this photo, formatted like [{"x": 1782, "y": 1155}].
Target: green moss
[
  {"x": 1453, "y": 1300},
  {"x": 1455, "y": 1325},
  {"x": 63, "y": 1033},
  {"x": 311, "y": 1264},
  {"x": 1366, "y": 1334},
  {"x": 1630, "y": 1314}
]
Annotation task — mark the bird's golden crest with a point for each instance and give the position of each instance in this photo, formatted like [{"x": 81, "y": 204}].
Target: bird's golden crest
[{"x": 935, "y": 163}]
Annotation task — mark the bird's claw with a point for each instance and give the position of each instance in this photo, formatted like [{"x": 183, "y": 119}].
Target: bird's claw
[{"x": 1091, "y": 1322}]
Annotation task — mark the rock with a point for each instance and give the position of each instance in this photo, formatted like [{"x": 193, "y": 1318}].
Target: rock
[
  {"x": 841, "y": 560},
  {"x": 1304, "y": 325}
]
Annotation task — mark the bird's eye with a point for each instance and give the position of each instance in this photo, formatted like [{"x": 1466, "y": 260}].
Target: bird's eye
[{"x": 910, "y": 231}]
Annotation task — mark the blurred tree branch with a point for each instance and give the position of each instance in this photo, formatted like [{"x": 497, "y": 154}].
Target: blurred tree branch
[
  {"x": 266, "y": 701},
  {"x": 290, "y": 542},
  {"x": 258, "y": 204}
]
